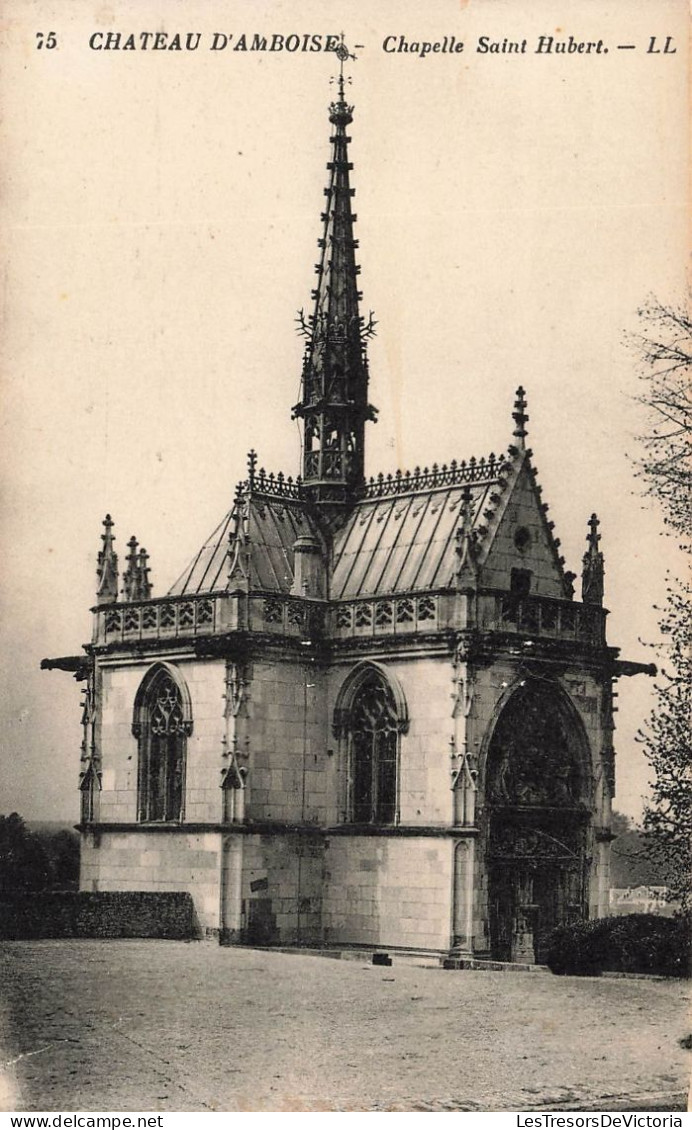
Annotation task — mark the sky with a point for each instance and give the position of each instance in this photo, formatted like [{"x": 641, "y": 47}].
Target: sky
[{"x": 160, "y": 213}]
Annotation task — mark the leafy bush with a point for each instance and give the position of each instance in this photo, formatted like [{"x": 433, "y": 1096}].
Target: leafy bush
[
  {"x": 573, "y": 948},
  {"x": 633, "y": 943}
]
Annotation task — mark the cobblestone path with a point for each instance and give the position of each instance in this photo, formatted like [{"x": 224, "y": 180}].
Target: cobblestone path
[{"x": 162, "y": 1026}]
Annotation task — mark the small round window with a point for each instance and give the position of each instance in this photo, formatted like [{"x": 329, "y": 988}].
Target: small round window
[{"x": 522, "y": 539}]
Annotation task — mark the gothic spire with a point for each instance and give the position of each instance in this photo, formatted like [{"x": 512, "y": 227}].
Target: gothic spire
[
  {"x": 334, "y": 403},
  {"x": 107, "y": 566}
]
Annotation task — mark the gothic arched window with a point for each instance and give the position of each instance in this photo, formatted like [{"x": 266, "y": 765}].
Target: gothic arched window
[
  {"x": 373, "y": 737},
  {"x": 162, "y": 724},
  {"x": 374, "y": 754},
  {"x": 370, "y": 714}
]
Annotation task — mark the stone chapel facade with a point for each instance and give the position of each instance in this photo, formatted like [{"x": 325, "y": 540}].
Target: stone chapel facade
[{"x": 370, "y": 712}]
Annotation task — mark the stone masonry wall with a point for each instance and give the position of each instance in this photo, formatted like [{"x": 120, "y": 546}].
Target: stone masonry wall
[
  {"x": 119, "y": 753},
  {"x": 388, "y": 891},
  {"x": 155, "y": 861},
  {"x": 282, "y": 884},
  {"x": 292, "y": 773}
]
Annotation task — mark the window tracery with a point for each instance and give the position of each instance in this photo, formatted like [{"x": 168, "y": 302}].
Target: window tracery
[
  {"x": 344, "y": 618},
  {"x": 374, "y": 747},
  {"x": 363, "y": 616},
  {"x": 162, "y": 725}
]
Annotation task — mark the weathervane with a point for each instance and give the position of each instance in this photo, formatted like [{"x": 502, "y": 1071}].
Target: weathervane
[{"x": 342, "y": 54}]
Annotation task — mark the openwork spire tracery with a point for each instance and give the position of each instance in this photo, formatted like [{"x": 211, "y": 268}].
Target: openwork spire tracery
[{"x": 334, "y": 403}]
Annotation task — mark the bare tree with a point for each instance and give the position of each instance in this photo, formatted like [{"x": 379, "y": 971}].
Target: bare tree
[
  {"x": 665, "y": 352},
  {"x": 667, "y": 742}
]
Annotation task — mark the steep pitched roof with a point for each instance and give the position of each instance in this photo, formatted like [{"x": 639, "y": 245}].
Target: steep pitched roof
[
  {"x": 208, "y": 570},
  {"x": 405, "y": 540},
  {"x": 269, "y": 527},
  {"x": 408, "y": 532},
  {"x": 400, "y": 537}
]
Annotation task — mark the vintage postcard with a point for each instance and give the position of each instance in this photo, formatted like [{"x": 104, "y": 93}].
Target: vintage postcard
[{"x": 330, "y": 589}]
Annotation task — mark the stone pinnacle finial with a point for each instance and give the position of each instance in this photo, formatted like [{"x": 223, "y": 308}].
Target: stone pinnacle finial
[
  {"x": 466, "y": 508},
  {"x": 130, "y": 576},
  {"x": 143, "y": 570},
  {"x": 520, "y": 417},
  {"x": 251, "y": 466},
  {"x": 236, "y": 513},
  {"x": 592, "y": 566},
  {"x": 466, "y": 539},
  {"x": 107, "y": 566}
]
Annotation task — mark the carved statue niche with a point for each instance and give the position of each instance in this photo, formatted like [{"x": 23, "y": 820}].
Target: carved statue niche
[
  {"x": 464, "y": 763},
  {"x": 236, "y": 684}
]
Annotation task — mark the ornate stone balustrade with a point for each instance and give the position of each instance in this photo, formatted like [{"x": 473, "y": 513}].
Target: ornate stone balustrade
[
  {"x": 287, "y": 616},
  {"x": 162, "y": 619},
  {"x": 280, "y": 614},
  {"x": 400, "y": 615},
  {"x": 541, "y": 616}
]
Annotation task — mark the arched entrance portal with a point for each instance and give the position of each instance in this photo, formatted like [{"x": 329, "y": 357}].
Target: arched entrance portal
[{"x": 538, "y": 787}]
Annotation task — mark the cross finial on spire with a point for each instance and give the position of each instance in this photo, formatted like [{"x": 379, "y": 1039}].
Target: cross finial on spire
[
  {"x": 520, "y": 416},
  {"x": 593, "y": 536},
  {"x": 342, "y": 53}
]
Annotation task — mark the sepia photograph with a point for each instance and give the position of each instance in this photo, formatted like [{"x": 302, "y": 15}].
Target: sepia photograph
[{"x": 345, "y": 757}]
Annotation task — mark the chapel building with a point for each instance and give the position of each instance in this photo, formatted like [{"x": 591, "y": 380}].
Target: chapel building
[{"x": 370, "y": 713}]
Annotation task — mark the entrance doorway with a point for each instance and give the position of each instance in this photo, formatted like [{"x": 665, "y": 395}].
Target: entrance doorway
[
  {"x": 537, "y": 819},
  {"x": 531, "y": 889}
]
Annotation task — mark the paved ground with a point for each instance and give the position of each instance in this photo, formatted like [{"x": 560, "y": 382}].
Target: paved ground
[{"x": 119, "y": 1026}]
